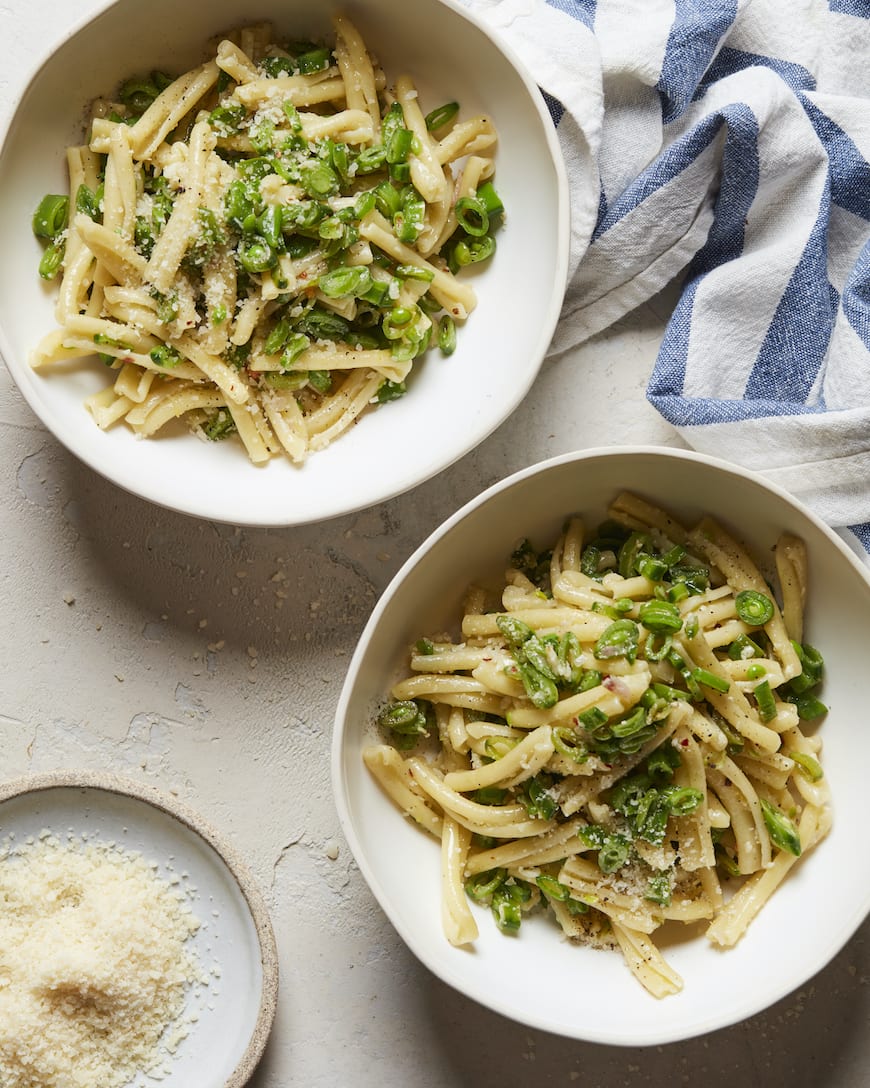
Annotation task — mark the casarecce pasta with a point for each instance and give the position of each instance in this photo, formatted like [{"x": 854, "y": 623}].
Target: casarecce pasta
[
  {"x": 619, "y": 734},
  {"x": 263, "y": 245}
]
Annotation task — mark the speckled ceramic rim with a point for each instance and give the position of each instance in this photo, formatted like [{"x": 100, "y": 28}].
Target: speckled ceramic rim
[{"x": 111, "y": 783}]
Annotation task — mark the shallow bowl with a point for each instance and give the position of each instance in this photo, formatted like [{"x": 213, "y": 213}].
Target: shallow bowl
[
  {"x": 537, "y": 977},
  {"x": 454, "y": 403}
]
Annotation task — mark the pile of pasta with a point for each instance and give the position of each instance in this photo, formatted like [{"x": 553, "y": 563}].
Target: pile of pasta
[
  {"x": 618, "y": 736},
  {"x": 264, "y": 244}
]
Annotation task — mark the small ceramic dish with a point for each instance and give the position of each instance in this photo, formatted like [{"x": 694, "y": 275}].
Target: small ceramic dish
[{"x": 235, "y": 944}]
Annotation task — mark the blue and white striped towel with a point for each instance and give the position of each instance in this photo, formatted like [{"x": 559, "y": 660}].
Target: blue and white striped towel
[{"x": 725, "y": 142}]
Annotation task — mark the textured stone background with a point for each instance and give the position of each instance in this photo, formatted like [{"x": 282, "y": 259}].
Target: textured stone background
[{"x": 208, "y": 660}]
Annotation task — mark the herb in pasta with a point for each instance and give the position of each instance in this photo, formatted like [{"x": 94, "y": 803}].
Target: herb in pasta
[
  {"x": 619, "y": 735},
  {"x": 265, "y": 244}
]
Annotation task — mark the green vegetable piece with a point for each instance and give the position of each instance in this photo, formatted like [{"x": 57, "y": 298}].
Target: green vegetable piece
[
  {"x": 407, "y": 720},
  {"x": 590, "y": 561},
  {"x": 711, "y": 680},
  {"x": 553, "y": 889},
  {"x": 389, "y": 390},
  {"x": 220, "y": 426},
  {"x": 138, "y": 94},
  {"x": 441, "y": 116},
  {"x": 727, "y": 863},
  {"x": 321, "y": 324},
  {"x": 490, "y": 199},
  {"x": 630, "y": 552},
  {"x": 613, "y": 854},
  {"x": 534, "y": 650},
  {"x": 537, "y": 799},
  {"x": 277, "y": 337},
  {"x": 753, "y": 607},
  {"x": 278, "y": 380},
  {"x": 409, "y": 221},
  {"x": 388, "y": 200},
  {"x": 320, "y": 380},
  {"x": 682, "y": 800},
  {"x": 165, "y": 355},
  {"x": 677, "y": 592},
  {"x": 471, "y": 252},
  {"x": 658, "y": 889},
  {"x": 490, "y": 795},
  {"x": 506, "y": 910},
  {"x": 808, "y": 765},
  {"x": 52, "y": 260},
  {"x": 227, "y": 119},
  {"x": 447, "y": 335},
  {"x": 656, "y": 647},
  {"x": 812, "y": 669},
  {"x": 660, "y": 617},
  {"x": 480, "y": 887},
  {"x": 295, "y": 344},
  {"x": 540, "y": 689},
  {"x": 808, "y": 706},
  {"x": 257, "y": 256},
  {"x": 652, "y": 567},
  {"x": 743, "y": 648},
  {"x": 662, "y": 762},
  {"x": 567, "y": 743},
  {"x": 498, "y": 747},
  {"x": 318, "y": 179},
  {"x": 315, "y": 60},
  {"x": 592, "y": 718},
  {"x": 472, "y": 216},
  {"x": 345, "y": 282},
  {"x": 371, "y": 159},
  {"x": 629, "y": 724},
  {"x": 765, "y": 701},
  {"x": 514, "y": 630},
  {"x": 783, "y": 832},
  {"x": 50, "y": 217},
  {"x": 88, "y": 201},
  {"x": 620, "y": 639}
]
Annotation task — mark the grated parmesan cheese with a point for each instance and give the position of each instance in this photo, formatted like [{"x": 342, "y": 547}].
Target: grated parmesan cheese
[{"x": 94, "y": 967}]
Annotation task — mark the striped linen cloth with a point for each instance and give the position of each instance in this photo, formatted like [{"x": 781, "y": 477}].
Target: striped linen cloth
[{"x": 724, "y": 143}]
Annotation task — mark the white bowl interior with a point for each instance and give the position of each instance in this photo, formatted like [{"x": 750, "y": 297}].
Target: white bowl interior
[
  {"x": 537, "y": 978},
  {"x": 455, "y": 402}
]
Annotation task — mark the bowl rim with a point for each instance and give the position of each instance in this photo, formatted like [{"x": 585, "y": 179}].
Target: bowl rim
[
  {"x": 336, "y": 501},
  {"x": 436, "y": 964},
  {"x": 181, "y": 813}
]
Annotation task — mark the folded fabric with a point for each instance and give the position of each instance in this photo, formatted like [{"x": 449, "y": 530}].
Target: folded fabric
[{"x": 724, "y": 142}]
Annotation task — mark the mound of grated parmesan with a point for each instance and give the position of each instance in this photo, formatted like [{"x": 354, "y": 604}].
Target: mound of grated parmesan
[{"x": 94, "y": 965}]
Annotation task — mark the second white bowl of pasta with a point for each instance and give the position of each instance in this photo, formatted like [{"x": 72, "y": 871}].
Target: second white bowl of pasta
[
  {"x": 595, "y": 751},
  {"x": 294, "y": 229}
]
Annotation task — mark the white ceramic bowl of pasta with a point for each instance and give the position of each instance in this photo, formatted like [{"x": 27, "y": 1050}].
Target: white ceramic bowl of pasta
[
  {"x": 537, "y": 977},
  {"x": 455, "y": 402}
]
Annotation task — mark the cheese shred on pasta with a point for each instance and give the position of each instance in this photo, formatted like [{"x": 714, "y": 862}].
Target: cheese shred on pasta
[
  {"x": 619, "y": 735},
  {"x": 275, "y": 235}
]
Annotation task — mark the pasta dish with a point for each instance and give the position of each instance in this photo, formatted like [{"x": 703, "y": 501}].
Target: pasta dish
[
  {"x": 619, "y": 735},
  {"x": 265, "y": 244}
]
